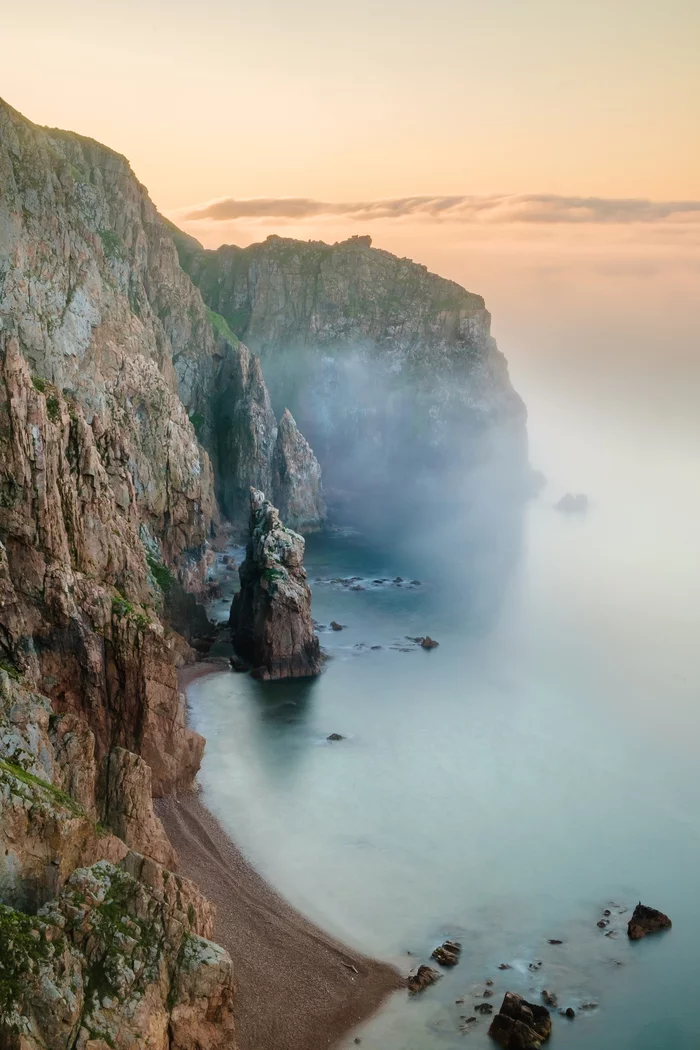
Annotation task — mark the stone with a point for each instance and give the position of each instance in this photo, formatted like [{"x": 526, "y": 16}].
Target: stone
[
  {"x": 271, "y": 624},
  {"x": 484, "y": 1008},
  {"x": 646, "y": 920},
  {"x": 422, "y": 978},
  {"x": 554, "y": 940},
  {"x": 428, "y": 643},
  {"x": 335, "y": 626},
  {"x": 335, "y": 736},
  {"x": 569, "y": 1012},
  {"x": 520, "y": 1025},
  {"x": 549, "y": 998},
  {"x": 447, "y": 953}
]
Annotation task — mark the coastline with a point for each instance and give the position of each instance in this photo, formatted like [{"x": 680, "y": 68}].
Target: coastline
[{"x": 297, "y": 987}]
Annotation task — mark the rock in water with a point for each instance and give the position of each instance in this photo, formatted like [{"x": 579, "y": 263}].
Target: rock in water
[
  {"x": 573, "y": 503},
  {"x": 422, "y": 978},
  {"x": 646, "y": 920},
  {"x": 520, "y": 1025},
  {"x": 296, "y": 479},
  {"x": 271, "y": 625}
]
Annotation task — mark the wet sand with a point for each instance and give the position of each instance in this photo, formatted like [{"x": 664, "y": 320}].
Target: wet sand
[{"x": 297, "y": 988}]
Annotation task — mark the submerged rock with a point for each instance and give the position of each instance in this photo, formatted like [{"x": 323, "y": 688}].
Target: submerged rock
[
  {"x": 335, "y": 736},
  {"x": 428, "y": 643},
  {"x": 573, "y": 503},
  {"x": 520, "y": 1025},
  {"x": 335, "y": 626},
  {"x": 271, "y": 624},
  {"x": 646, "y": 920},
  {"x": 296, "y": 478}
]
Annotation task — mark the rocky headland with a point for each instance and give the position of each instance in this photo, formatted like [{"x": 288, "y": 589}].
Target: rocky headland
[
  {"x": 133, "y": 423},
  {"x": 390, "y": 370}
]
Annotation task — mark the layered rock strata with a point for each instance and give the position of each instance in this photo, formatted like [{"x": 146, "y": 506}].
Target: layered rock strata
[{"x": 271, "y": 624}]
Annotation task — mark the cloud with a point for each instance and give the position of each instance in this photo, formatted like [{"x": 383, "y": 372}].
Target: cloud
[{"x": 523, "y": 208}]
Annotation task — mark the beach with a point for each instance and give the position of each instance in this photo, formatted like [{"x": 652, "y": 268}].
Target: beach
[{"x": 297, "y": 988}]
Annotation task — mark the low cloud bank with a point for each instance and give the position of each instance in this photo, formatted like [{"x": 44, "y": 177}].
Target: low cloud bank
[{"x": 523, "y": 208}]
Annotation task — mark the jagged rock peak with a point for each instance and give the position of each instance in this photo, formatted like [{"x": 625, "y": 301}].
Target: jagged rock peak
[
  {"x": 271, "y": 624},
  {"x": 296, "y": 479}
]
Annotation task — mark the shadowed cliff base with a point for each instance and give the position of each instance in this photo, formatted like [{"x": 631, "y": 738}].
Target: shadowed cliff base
[{"x": 296, "y": 987}]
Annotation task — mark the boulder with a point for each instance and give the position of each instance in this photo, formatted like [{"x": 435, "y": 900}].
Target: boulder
[
  {"x": 646, "y": 920},
  {"x": 428, "y": 643},
  {"x": 447, "y": 954},
  {"x": 520, "y": 1025},
  {"x": 424, "y": 976}
]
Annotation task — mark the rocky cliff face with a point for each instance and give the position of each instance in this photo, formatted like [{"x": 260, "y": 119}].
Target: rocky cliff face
[
  {"x": 271, "y": 625},
  {"x": 100, "y": 946},
  {"x": 390, "y": 370},
  {"x": 296, "y": 479}
]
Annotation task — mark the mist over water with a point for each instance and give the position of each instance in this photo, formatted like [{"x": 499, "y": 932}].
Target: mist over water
[{"x": 540, "y": 764}]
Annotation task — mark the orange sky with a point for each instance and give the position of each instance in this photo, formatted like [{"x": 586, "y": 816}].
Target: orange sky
[
  {"x": 359, "y": 100},
  {"x": 365, "y": 102}
]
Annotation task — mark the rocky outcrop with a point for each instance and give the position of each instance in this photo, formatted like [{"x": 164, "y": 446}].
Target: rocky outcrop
[
  {"x": 271, "y": 624},
  {"x": 100, "y": 946},
  {"x": 390, "y": 370},
  {"x": 115, "y": 961},
  {"x": 128, "y": 807},
  {"x": 296, "y": 479},
  {"x": 646, "y": 920},
  {"x": 520, "y": 1025}
]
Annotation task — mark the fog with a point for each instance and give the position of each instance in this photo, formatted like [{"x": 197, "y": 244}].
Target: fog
[{"x": 542, "y": 761}]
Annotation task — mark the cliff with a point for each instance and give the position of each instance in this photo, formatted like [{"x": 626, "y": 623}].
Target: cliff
[
  {"x": 100, "y": 944},
  {"x": 390, "y": 370},
  {"x": 271, "y": 625}
]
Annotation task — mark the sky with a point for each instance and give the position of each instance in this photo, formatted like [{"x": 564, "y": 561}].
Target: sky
[{"x": 545, "y": 153}]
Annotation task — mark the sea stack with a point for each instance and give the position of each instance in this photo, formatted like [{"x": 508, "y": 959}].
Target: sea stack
[{"x": 271, "y": 625}]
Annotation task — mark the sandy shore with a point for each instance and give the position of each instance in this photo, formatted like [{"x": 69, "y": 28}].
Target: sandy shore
[{"x": 297, "y": 988}]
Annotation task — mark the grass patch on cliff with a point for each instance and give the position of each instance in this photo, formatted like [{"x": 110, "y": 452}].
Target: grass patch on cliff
[
  {"x": 221, "y": 326},
  {"x": 121, "y": 608},
  {"x": 197, "y": 420},
  {"x": 112, "y": 244},
  {"x": 39, "y": 384},
  {"x": 161, "y": 573},
  {"x": 57, "y": 796},
  {"x": 10, "y": 670},
  {"x": 22, "y": 947}
]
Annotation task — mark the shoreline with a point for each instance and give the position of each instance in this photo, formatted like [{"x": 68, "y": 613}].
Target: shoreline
[{"x": 297, "y": 987}]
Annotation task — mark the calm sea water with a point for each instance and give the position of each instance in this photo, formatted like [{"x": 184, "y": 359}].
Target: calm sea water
[{"x": 538, "y": 767}]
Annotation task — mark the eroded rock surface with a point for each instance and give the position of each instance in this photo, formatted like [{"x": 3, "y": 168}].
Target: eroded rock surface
[
  {"x": 646, "y": 920},
  {"x": 115, "y": 961},
  {"x": 271, "y": 624},
  {"x": 520, "y": 1025},
  {"x": 296, "y": 479}
]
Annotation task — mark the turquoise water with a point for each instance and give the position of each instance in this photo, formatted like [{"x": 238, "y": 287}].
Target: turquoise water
[{"x": 508, "y": 786}]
